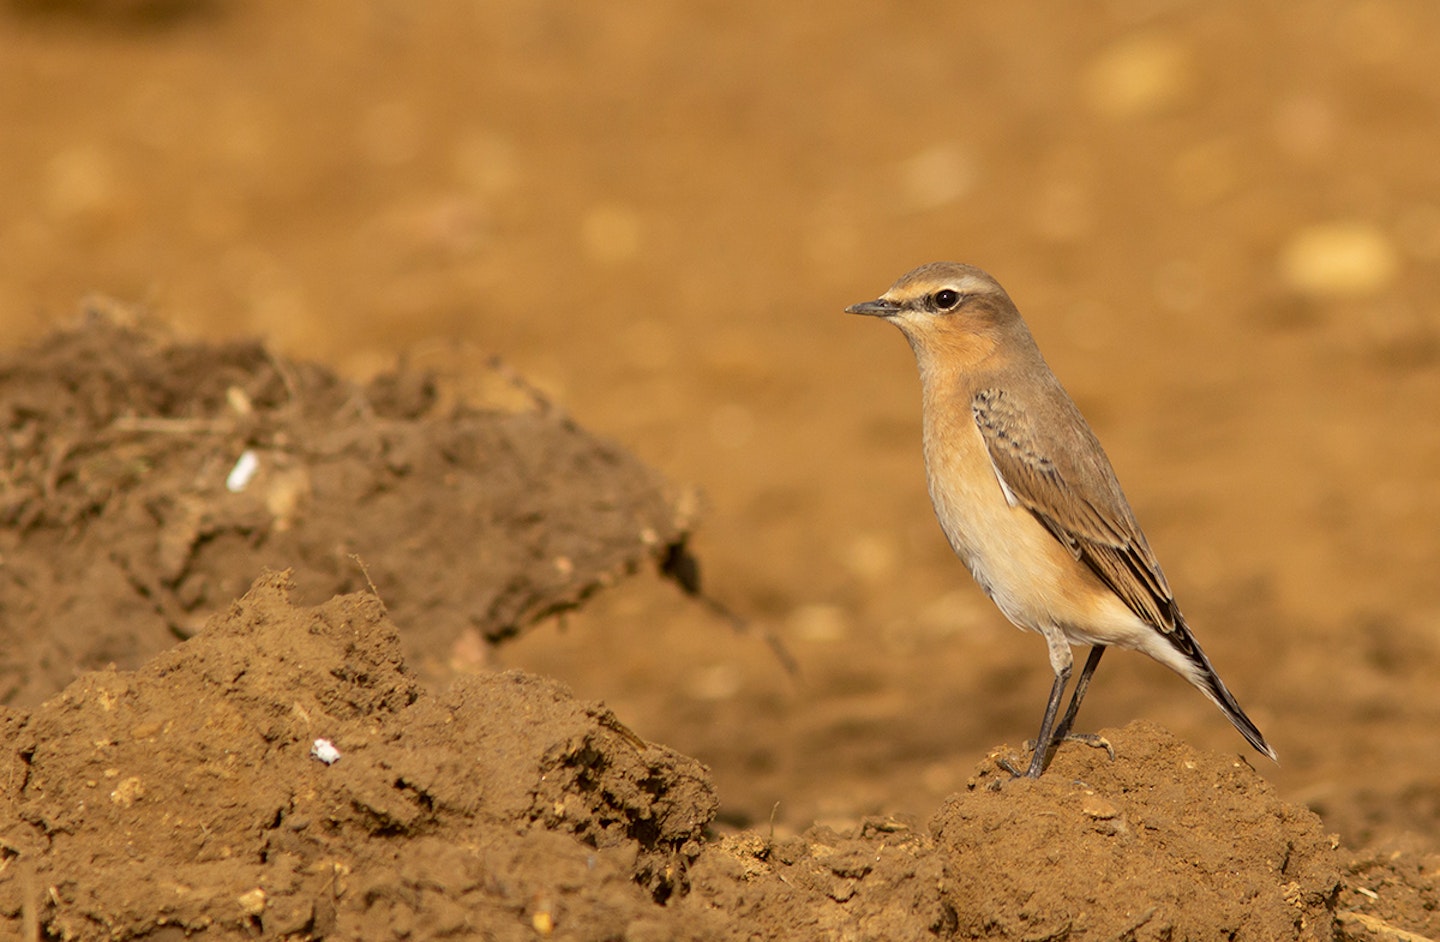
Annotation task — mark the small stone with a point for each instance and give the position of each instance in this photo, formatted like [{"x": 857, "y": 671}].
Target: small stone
[
  {"x": 128, "y": 792},
  {"x": 1108, "y": 817},
  {"x": 1139, "y": 76},
  {"x": 325, "y": 751},
  {"x": 1338, "y": 259},
  {"x": 243, "y": 471},
  {"x": 253, "y": 902},
  {"x": 1099, "y": 808}
]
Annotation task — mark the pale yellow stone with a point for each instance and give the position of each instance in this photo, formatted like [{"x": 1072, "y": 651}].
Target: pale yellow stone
[
  {"x": 1141, "y": 75},
  {"x": 1099, "y": 808},
  {"x": 128, "y": 791},
  {"x": 253, "y": 902},
  {"x": 1338, "y": 259}
]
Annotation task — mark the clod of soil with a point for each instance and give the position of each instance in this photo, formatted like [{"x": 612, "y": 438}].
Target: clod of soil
[
  {"x": 185, "y": 794},
  {"x": 125, "y": 520}
]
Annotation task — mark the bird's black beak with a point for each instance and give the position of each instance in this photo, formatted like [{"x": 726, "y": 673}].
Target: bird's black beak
[{"x": 877, "y": 308}]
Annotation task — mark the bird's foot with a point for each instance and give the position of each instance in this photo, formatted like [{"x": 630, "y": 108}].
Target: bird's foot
[
  {"x": 1093, "y": 740},
  {"x": 1008, "y": 766}
]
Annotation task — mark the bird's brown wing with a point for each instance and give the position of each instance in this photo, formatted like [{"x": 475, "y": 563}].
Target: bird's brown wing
[{"x": 1068, "y": 484}]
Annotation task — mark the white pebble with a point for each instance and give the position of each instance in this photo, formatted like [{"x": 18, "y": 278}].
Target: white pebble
[
  {"x": 325, "y": 751},
  {"x": 244, "y": 470}
]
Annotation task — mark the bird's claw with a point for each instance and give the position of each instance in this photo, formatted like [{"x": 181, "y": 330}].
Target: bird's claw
[
  {"x": 1008, "y": 766},
  {"x": 1093, "y": 740}
]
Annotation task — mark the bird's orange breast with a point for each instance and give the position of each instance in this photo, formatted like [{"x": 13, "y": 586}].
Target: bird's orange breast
[{"x": 1030, "y": 575}]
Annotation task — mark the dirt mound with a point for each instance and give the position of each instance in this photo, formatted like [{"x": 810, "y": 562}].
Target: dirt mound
[
  {"x": 186, "y": 794},
  {"x": 196, "y": 792},
  {"x": 191, "y": 794},
  {"x": 1161, "y": 842},
  {"x": 128, "y": 515}
]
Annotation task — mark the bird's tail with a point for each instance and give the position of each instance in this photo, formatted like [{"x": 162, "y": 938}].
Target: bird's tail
[{"x": 1203, "y": 676}]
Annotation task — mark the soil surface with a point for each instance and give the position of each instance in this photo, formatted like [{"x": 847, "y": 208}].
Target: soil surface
[
  {"x": 286, "y": 771},
  {"x": 1222, "y": 222}
]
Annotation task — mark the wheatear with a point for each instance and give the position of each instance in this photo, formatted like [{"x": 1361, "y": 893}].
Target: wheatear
[{"x": 1028, "y": 499}]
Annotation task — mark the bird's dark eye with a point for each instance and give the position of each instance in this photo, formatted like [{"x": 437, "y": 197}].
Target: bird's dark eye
[{"x": 946, "y": 298}]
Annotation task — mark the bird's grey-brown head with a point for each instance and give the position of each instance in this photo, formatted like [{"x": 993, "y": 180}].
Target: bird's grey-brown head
[{"x": 948, "y": 306}]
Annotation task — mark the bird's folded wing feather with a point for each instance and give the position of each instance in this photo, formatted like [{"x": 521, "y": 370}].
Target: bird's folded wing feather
[{"x": 1071, "y": 489}]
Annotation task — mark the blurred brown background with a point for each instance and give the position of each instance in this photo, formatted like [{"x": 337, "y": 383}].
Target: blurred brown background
[{"x": 1221, "y": 220}]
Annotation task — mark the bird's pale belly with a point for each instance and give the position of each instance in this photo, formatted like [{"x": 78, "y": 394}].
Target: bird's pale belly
[{"x": 1033, "y": 579}]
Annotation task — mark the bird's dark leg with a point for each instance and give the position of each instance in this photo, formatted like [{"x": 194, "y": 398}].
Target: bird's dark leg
[
  {"x": 1081, "y": 685},
  {"x": 1044, "y": 742}
]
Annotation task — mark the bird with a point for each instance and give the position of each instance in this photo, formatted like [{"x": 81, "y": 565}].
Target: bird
[{"x": 1028, "y": 499}]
